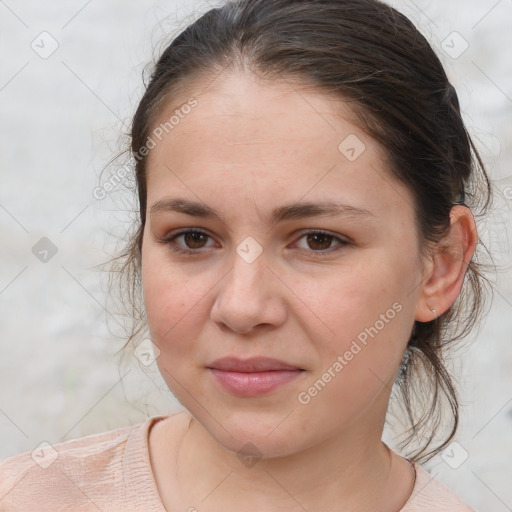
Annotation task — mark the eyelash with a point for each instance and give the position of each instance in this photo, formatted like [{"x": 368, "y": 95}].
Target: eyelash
[{"x": 169, "y": 241}]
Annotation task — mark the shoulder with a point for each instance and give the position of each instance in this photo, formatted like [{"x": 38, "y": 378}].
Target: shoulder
[
  {"x": 429, "y": 494},
  {"x": 69, "y": 472}
]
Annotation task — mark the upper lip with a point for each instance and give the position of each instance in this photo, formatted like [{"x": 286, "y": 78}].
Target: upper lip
[{"x": 253, "y": 364}]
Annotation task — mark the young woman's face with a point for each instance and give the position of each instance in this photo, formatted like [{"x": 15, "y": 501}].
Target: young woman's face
[{"x": 259, "y": 280}]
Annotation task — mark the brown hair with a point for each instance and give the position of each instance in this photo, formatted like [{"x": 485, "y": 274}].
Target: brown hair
[{"x": 367, "y": 53}]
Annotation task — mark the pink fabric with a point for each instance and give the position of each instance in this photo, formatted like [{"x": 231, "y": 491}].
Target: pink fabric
[{"x": 111, "y": 471}]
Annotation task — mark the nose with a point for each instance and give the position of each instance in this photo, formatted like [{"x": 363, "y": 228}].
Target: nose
[{"x": 249, "y": 297}]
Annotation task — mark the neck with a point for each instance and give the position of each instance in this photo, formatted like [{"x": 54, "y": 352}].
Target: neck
[{"x": 352, "y": 467}]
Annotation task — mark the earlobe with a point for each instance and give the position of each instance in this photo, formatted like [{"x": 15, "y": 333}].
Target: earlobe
[{"x": 450, "y": 260}]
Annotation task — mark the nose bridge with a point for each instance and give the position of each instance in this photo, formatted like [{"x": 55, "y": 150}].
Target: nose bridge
[
  {"x": 248, "y": 269},
  {"x": 246, "y": 297}
]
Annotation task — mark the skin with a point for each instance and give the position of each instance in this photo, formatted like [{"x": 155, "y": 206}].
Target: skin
[{"x": 245, "y": 149}]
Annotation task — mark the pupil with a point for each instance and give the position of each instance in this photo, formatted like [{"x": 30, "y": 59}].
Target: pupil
[
  {"x": 315, "y": 238},
  {"x": 193, "y": 238}
]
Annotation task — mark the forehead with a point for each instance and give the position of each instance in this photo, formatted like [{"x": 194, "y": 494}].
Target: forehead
[
  {"x": 239, "y": 117},
  {"x": 245, "y": 138}
]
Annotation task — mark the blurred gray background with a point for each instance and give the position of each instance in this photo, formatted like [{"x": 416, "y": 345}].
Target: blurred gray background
[{"x": 69, "y": 81}]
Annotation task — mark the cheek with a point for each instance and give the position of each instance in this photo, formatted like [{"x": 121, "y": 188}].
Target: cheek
[
  {"x": 174, "y": 301},
  {"x": 366, "y": 314},
  {"x": 344, "y": 302}
]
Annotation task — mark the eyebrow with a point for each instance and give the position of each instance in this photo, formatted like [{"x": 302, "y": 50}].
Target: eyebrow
[{"x": 279, "y": 214}]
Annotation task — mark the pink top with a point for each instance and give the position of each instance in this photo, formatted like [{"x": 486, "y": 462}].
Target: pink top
[{"x": 111, "y": 471}]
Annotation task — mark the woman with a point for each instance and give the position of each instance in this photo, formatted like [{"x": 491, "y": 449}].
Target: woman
[{"x": 305, "y": 245}]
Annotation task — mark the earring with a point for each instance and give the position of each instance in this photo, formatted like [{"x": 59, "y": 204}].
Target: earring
[
  {"x": 433, "y": 311},
  {"x": 400, "y": 379}
]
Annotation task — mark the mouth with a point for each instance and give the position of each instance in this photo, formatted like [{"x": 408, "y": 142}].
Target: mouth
[
  {"x": 252, "y": 377},
  {"x": 252, "y": 365}
]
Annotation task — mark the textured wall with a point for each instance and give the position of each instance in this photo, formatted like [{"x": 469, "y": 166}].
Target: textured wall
[{"x": 69, "y": 81}]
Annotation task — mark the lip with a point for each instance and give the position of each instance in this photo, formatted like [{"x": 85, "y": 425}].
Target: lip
[
  {"x": 252, "y": 377},
  {"x": 251, "y": 365}
]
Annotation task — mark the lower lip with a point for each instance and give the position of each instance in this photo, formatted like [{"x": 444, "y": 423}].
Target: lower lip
[{"x": 253, "y": 384}]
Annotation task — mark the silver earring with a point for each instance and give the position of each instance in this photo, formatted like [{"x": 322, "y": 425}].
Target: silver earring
[{"x": 402, "y": 370}]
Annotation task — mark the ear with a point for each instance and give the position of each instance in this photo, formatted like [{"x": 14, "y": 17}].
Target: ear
[{"x": 447, "y": 265}]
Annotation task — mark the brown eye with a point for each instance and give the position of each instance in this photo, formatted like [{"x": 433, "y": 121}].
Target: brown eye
[
  {"x": 192, "y": 244},
  {"x": 195, "y": 239},
  {"x": 321, "y": 242}
]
